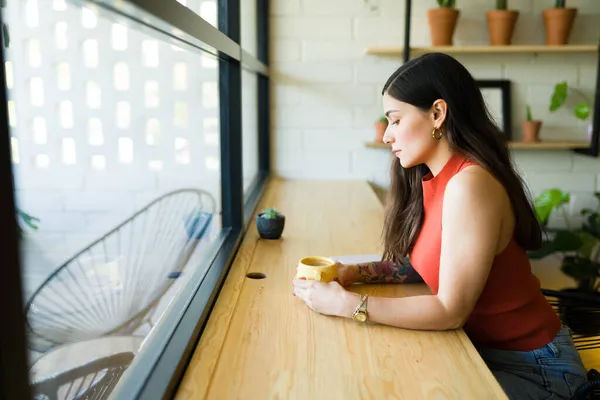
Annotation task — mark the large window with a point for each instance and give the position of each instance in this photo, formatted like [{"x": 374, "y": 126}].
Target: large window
[
  {"x": 249, "y": 127},
  {"x": 131, "y": 148}
]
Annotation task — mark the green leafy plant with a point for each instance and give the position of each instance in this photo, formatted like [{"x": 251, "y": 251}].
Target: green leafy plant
[
  {"x": 382, "y": 119},
  {"x": 501, "y": 4},
  {"x": 446, "y": 3},
  {"x": 579, "y": 246},
  {"x": 559, "y": 97},
  {"x": 28, "y": 220},
  {"x": 271, "y": 213},
  {"x": 528, "y": 116},
  {"x": 560, "y": 4}
]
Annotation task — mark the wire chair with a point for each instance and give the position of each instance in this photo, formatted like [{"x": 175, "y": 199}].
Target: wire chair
[
  {"x": 113, "y": 285},
  {"x": 583, "y": 318},
  {"x": 92, "y": 381}
]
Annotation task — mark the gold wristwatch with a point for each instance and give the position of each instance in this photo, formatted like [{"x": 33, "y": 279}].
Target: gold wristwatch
[{"x": 360, "y": 313}]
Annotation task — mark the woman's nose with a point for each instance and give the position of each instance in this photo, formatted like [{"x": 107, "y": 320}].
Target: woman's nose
[{"x": 387, "y": 138}]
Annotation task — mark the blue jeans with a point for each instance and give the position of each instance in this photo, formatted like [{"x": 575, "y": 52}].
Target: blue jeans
[{"x": 552, "y": 372}]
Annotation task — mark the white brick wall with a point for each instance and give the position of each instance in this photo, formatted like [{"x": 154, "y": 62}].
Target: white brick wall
[
  {"x": 326, "y": 90},
  {"x": 78, "y": 199}
]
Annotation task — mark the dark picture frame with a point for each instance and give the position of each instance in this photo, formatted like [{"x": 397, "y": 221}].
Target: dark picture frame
[{"x": 497, "y": 94}]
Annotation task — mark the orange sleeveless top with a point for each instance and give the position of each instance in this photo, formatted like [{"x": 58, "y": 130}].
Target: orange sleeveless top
[{"x": 511, "y": 313}]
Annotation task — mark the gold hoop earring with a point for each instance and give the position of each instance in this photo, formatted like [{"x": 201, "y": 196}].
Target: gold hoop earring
[{"x": 434, "y": 132}]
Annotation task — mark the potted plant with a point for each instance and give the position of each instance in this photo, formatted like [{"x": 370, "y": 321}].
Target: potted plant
[
  {"x": 501, "y": 24},
  {"x": 442, "y": 22},
  {"x": 270, "y": 223},
  {"x": 579, "y": 247},
  {"x": 380, "y": 126},
  {"x": 531, "y": 127},
  {"x": 581, "y": 109},
  {"x": 558, "y": 23}
]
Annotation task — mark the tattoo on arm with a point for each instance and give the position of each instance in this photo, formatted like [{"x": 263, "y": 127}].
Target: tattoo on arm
[{"x": 387, "y": 272}]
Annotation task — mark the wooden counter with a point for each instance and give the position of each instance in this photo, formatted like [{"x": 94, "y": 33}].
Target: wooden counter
[{"x": 261, "y": 342}]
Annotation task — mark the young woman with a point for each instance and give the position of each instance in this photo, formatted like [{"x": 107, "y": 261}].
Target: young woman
[{"x": 461, "y": 214}]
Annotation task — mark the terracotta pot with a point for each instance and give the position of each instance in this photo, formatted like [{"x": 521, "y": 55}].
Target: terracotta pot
[
  {"x": 501, "y": 25},
  {"x": 380, "y": 128},
  {"x": 442, "y": 23},
  {"x": 558, "y": 23},
  {"x": 531, "y": 131}
]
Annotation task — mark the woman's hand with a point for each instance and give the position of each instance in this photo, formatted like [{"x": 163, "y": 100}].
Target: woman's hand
[
  {"x": 326, "y": 298},
  {"x": 347, "y": 273}
]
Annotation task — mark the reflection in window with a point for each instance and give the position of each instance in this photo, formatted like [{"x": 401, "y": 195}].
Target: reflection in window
[
  {"x": 31, "y": 13},
  {"x": 150, "y": 53},
  {"x": 94, "y": 95},
  {"x": 63, "y": 72},
  {"x": 210, "y": 94},
  {"x": 40, "y": 134},
  {"x": 94, "y": 131},
  {"x": 60, "y": 35},
  {"x": 151, "y": 95},
  {"x": 12, "y": 113},
  {"x": 125, "y": 150},
  {"x": 211, "y": 131},
  {"x": 181, "y": 114},
  {"x": 152, "y": 132},
  {"x": 66, "y": 114},
  {"x": 121, "y": 76},
  {"x": 180, "y": 78},
  {"x": 36, "y": 86},
  {"x": 90, "y": 53},
  {"x": 88, "y": 18},
  {"x": 14, "y": 148},
  {"x": 8, "y": 72},
  {"x": 123, "y": 114},
  {"x": 68, "y": 151},
  {"x": 35, "y": 53},
  {"x": 119, "y": 37},
  {"x": 182, "y": 151}
]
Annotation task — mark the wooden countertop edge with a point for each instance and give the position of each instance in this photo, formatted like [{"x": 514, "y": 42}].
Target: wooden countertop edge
[{"x": 198, "y": 375}]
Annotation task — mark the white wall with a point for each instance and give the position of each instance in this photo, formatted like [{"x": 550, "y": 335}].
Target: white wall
[
  {"x": 85, "y": 168},
  {"x": 326, "y": 91}
]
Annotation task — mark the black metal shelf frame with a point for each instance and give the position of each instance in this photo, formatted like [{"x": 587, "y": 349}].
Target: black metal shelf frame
[
  {"x": 159, "y": 369},
  {"x": 594, "y": 148}
]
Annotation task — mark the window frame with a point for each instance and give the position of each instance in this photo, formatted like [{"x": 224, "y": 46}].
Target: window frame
[{"x": 157, "y": 371}]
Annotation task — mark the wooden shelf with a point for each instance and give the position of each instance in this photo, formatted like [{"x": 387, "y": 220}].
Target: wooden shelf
[
  {"x": 571, "y": 48},
  {"x": 544, "y": 145}
]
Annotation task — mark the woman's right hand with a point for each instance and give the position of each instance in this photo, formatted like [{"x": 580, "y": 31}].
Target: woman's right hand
[{"x": 346, "y": 274}]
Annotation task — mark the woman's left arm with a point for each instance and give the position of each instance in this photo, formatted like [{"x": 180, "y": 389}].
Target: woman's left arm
[{"x": 471, "y": 225}]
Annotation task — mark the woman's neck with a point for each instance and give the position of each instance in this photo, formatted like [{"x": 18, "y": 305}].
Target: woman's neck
[{"x": 439, "y": 158}]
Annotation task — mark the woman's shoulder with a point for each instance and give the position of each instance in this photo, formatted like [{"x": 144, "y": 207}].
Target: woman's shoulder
[{"x": 474, "y": 182}]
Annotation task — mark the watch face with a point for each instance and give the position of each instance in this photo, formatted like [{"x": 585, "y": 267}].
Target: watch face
[{"x": 362, "y": 317}]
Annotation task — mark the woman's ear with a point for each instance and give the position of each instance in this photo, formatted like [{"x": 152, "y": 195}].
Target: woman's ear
[{"x": 440, "y": 110}]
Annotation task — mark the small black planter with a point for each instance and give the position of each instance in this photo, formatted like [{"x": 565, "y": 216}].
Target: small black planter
[
  {"x": 580, "y": 311},
  {"x": 270, "y": 228}
]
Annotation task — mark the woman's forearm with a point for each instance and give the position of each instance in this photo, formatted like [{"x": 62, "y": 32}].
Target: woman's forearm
[
  {"x": 424, "y": 312},
  {"x": 382, "y": 272}
]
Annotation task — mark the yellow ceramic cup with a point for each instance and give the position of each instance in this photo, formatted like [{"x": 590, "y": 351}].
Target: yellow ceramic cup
[{"x": 317, "y": 268}]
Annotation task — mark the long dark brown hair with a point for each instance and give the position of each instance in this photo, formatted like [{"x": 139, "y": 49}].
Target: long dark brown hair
[{"x": 470, "y": 130}]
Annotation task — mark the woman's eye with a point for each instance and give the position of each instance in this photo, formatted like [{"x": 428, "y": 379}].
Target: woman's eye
[{"x": 395, "y": 122}]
